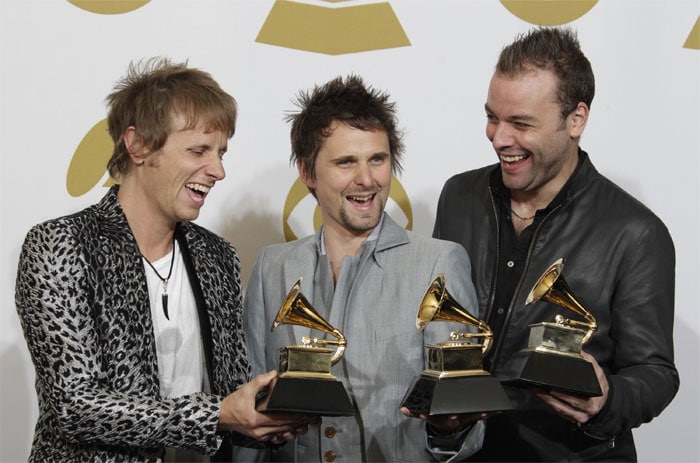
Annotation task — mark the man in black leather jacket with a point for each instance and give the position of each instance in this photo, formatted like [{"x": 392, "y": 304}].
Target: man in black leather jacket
[{"x": 545, "y": 201}]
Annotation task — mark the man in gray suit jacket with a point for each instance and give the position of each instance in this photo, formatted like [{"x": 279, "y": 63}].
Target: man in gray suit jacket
[{"x": 366, "y": 276}]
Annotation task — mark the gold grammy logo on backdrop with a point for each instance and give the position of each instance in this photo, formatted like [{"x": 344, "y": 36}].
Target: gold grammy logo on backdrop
[
  {"x": 109, "y": 6},
  {"x": 333, "y": 30},
  {"x": 298, "y": 192},
  {"x": 89, "y": 162},
  {"x": 693, "y": 40},
  {"x": 549, "y": 12}
]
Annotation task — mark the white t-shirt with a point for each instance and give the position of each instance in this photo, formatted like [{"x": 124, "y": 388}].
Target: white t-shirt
[{"x": 179, "y": 349}]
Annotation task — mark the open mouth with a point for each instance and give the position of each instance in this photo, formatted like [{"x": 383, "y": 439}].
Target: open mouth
[
  {"x": 512, "y": 163},
  {"x": 512, "y": 158},
  {"x": 197, "y": 191},
  {"x": 361, "y": 200}
]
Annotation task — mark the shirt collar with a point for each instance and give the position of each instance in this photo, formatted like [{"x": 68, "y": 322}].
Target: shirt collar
[{"x": 372, "y": 236}]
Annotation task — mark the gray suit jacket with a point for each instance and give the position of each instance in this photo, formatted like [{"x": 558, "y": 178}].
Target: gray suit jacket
[{"x": 385, "y": 350}]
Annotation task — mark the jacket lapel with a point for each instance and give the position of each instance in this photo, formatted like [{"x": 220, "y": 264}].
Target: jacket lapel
[
  {"x": 390, "y": 236},
  {"x": 136, "y": 318}
]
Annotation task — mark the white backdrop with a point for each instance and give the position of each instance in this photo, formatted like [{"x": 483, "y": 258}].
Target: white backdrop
[{"x": 59, "y": 61}]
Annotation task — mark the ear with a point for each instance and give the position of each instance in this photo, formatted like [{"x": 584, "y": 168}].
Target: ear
[
  {"x": 305, "y": 177},
  {"x": 578, "y": 120},
  {"x": 134, "y": 145}
]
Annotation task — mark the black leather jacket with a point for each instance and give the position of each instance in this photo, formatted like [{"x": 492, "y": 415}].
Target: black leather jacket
[{"x": 620, "y": 265}]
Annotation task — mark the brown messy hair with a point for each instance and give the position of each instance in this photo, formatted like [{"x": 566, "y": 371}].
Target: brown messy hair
[
  {"x": 556, "y": 50},
  {"x": 348, "y": 101},
  {"x": 151, "y": 93}
]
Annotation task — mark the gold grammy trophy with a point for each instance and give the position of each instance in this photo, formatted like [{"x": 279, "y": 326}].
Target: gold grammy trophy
[
  {"x": 454, "y": 380},
  {"x": 553, "y": 357},
  {"x": 305, "y": 383}
]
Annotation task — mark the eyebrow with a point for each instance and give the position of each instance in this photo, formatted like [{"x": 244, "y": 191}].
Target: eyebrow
[
  {"x": 208, "y": 147},
  {"x": 354, "y": 157},
  {"x": 516, "y": 117}
]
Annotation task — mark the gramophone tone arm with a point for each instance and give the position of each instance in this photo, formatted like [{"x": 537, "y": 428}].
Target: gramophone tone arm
[
  {"x": 487, "y": 335},
  {"x": 307, "y": 340},
  {"x": 591, "y": 326},
  {"x": 341, "y": 342},
  {"x": 454, "y": 336}
]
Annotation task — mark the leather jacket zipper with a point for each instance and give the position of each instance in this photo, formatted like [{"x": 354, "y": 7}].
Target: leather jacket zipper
[{"x": 499, "y": 342}]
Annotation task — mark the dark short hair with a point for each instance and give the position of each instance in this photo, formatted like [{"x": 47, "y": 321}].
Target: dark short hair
[
  {"x": 556, "y": 50},
  {"x": 151, "y": 93},
  {"x": 348, "y": 101}
]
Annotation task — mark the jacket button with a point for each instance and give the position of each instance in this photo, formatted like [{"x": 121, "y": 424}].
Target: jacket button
[
  {"x": 329, "y": 456},
  {"x": 329, "y": 432}
]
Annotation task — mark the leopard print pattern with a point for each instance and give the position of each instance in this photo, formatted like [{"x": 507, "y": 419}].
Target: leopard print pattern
[{"x": 82, "y": 300}]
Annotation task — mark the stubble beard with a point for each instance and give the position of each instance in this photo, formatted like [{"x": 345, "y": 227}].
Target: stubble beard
[{"x": 363, "y": 224}]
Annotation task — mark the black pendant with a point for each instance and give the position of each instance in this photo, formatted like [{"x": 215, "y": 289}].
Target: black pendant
[{"x": 164, "y": 297}]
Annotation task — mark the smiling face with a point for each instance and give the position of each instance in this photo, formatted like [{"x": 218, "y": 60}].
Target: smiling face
[
  {"x": 538, "y": 150},
  {"x": 352, "y": 178},
  {"x": 172, "y": 183}
]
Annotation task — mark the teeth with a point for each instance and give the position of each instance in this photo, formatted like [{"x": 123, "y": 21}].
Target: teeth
[
  {"x": 359, "y": 199},
  {"x": 198, "y": 187},
  {"x": 514, "y": 158}
]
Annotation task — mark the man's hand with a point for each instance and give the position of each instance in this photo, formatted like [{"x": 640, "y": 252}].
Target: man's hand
[
  {"x": 239, "y": 413},
  {"x": 574, "y": 408}
]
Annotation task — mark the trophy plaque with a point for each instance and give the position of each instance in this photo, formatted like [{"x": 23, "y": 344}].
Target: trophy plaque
[
  {"x": 454, "y": 380},
  {"x": 553, "y": 357},
  {"x": 305, "y": 383}
]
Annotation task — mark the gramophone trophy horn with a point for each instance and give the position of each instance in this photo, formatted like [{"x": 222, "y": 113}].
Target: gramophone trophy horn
[
  {"x": 438, "y": 305},
  {"x": 552, "y": 287},
  {"x": 305, "y": 383},
  {"x": 553, "y": 357},
  {"x": 296, "y": 310},
  {"x": 454, "y": 380}
]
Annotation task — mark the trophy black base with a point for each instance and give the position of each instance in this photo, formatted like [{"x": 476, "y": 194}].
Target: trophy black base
[
  {"x": 466, "y": 394},
  {"x": 554, "y": 371},
  {"x": 312, "y": 396}
]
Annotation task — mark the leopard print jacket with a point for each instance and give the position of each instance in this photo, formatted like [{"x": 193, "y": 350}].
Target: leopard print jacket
[{"x": 82, "y": 300}]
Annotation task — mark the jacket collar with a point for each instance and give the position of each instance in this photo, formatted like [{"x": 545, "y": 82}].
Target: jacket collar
[
  {"x": 110, "y": 210},
  {"x": 113, "y": 221},
  {"x": 302, "y": 261},
  {"x": 388, "y": 235}
]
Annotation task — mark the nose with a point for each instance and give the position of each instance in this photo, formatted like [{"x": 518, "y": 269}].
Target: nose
[
  {"x": 215, "y": 168},
  {"x": 500, "y": 134},
  {"x": 363, "y": 174}
]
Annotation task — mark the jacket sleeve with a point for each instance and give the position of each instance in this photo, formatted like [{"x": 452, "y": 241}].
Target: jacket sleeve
[
  {"x": 77, "y": 398},
  {"x": 256, "y": 330},
  {"x": 641, "y": 372}
]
